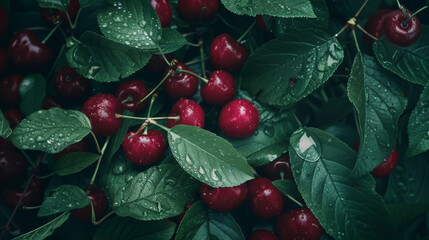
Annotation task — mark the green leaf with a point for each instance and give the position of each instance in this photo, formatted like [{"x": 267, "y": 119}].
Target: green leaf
[
  {"x": 418, "y": 126},
  {"x": 347, "y": 9},
  {"x": 288, "y": 188},
  {"x": 74, "y": 162},
  {"x": 347, "y": 208},
  {"x": 129, "y": 228},
  {"x": 32, "y": 92},
  {"x": 402, "y": 213},
  {"x": 208, "y": 157},
  {"x": 117, "y": 139},
  {"x": 86, "y": 3},
  {"x": 379, "y": 104},
  {"x": 278, "y": 8},
  {"x": 200, "y": 222},
  {"x": 171, "y": 40},
  {"x": 5, "y": 130},
  {"x": 64, "y": 198},
  {"x": 131, "y": 22},
  {"x": 51, "y": 130},
  {"x": 306, "y": 58},
  {"x": 46, "y": 230},
  {"x": 58, "y": 4},
  {"x": 104, "y": 60},
  {"x": 410, "y": 63}
]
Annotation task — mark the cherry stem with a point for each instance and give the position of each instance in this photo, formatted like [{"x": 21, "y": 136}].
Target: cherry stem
[
  {"x": 153, "y": 118},
  {"x": 3, "y": 212},
  {"x": 195, "y": 61},
  {"x": 361, "y": 8},
  {"x": 57, "y": 60},
  {"x": 399, "y": 4},
  {"x": 46, "y": 176},
  {"x": 96, "y": 143},
  {"x": 128, "y": 99},
  {"x": 157, "y": 86},
  {"x": 412, "y": 15},
  {"x": 152, "y": 100},
  {"x": 27, "y": 158},
  {"x": 104, "y": 218},
  {"x": 203, "y": 64},
  {"x": 367, "y": 33},
  {"x": 246, "y": 32},
  {"x": 75, "y": 20},
  {"x": 192, "y": 44},
  {"x": 50, "y": 33},
  {"x": 342, "y": 30},
  {"x": 163, "y": 56},
  {"x": 296, "y": 118},
  {"x": 30, "y": 208},
  {"x": 69, "y": 20},
  {"x": 39, "y": 28},
  {"x": 98, "y": 163},
  {"x": 152, "y": 121},
  {"x": 295, "y": 201},
  {"x": 355, "y": 39},
  {"x": 227, "y": 24},
  {"x": 193, "y": 74}
]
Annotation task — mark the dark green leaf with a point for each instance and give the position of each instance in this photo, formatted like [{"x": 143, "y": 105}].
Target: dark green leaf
[
  {"x": 200, "y": 222},
  {"x": 288, "y": 188},
  {"x": 410, "y": 63},
  {"x": 171, "y": 40},
  {"x": 51, "y": 130},
  {"x": 347, "y": 208},
  {"x": 32, "y": 91},
  {"x": 402, "y": 213},
  {"x": 86, "y": 3},
  {"x": 64, "y": 198},
  {"x": 46, "y": 230},
  {"x": 74, "y": 162},
  {"x": 379, "y": 104},
  {"x": 5, "y": 130},
  {"x": 116, "y": 140},
  {"x": 131, "y": 22},
  {"x": 348, "y": 8},
  {"x": 292, "y": 66},
  {"x": 344, "y": 132},
  {"x": 278, "y": 8},
  {"x": 58, "y": 4},
  {"x": 208, "y": 157},
  {"x": 418, "y": 126}
]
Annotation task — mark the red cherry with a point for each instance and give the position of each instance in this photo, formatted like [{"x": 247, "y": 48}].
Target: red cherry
[
  {"x": 223, "y": 199},
  {"x": 14, "y": 116},
  {"x": 261, "y": 23},
  {"x": 193, "y": 10},
  {"x": 99, "y": 202},
  {"x": 12, "y": 166},
  {"x": 226, "y": 53},
  {"x": 4, "y": 60},
  {"x": 399, "y": 32},
  {"x": 299, "y": 224},
  {"x": 5, "y": 145},
  {"x": 180, "y": 85},
  {"x": 157, "y": 62},
  {"x": 70, "y": 85},
  {"x": 9, "y": 90},
  {"x": 263, "y": 235},
  {"x": 190, "y": 112},
  {"x": 220, "y": 88},
  {"x": 32, "y": 197},
  {"x": 163, "y": 9},
  {"x": 52, "y": 16},
  {"x": 134, "y": 90},
  {"x": 4, "y": 22},
  {"x": 100, "y": 110},
  {"x": 281, "y": 166},
  {"x": 239, "y": 118},
  {"x": 375, "y": 25},
  {"x": 50, "y": 102},
  {"x": 266, "y": 201},
  {"x": 144, "y": 149},
  {"x": 81, "y": 146}
]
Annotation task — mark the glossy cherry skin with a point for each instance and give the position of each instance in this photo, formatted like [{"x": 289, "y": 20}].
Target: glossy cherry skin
[
  {"x": 223, "y": 199},
  {"x": 4, "y": 60},
  {"x": 220, "y": 88},
  {"x": 81, "y": 146},
  {"x": 238, "y": 118},
  {"x": 135, "y": 90},
  {"x": 261, "y": 23},
  {"x": 298, "y": 224},
  {"x": 397, "y": 31},
  {"x": 163, "y": 10},
  {"x": 226, "y": 53},
  {"x": 275, "y": 169},
  {"x": 265, "y": 199},
  {"x": 179, "y": 85},
  {"x": 51, "y": 16},
  {"x": 14, "y": 116},
  {"x": 190, "y": 112},
  {"x": 157, "y": 62},
  {"x": 193, "y": 10},
  {"x": 4, "y": 22},
  {"x": 13, "y": 166},
  {"x": 9, "y": 90},
  {"x": 99, "y": 201},
  {"x": 70, "y": 85},
  {"x": 50, "y": 102},
  {"x": 32, "y": 197},
  {"x": 263, "y": 235},
  {"x": 100, "y": 110},
  {"x": 374, "y": 25},
  {"x": 26, "y": 51},
  {"x": 144, "y": 149}
]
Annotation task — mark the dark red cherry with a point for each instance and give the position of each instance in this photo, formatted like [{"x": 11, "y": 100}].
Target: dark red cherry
[
  {"x": 374, "y": 25},
  {"x": 279, "y": 169},
  {"x": 223, "y": 199},
  {"x": 81, "y": 146},
  {"x": 52, "y": 16},
  {"x": 32, "y": 197},
  {"x": 13, "y": 166},
  {"x": 157, "y": 62},
  {"x": 5, "y": 145},
  {"x": 163, "y": 9},
  {"x": 100, "y": 110},
  {"x": 26, "y": 51},
  {"x": 99, "y": 202},
  {"x": 50, "y": 102},
  {"x": 261, "y": 23},
  {"x": 238, "y": 118},
  {"x": 220, "y": 89},
  {"x": 400, "y": 32},
  {"x": 189, "y": 111},
  {"x": 9, "y": 90},
  {"x": 265, "y": 199},
  {"x": 299, "y": 224},
  {"x": 14, "y": 116},
  {"x": 179, "y": 85},
  {"x": 70, "y": 85},
  {"x": 263, "y": 235},
  {"x": 130, "y": 92},
  {"x": 144, "y": 149},
  {"x": 226, "y": 53},
  {"x": 194, "y": 10},
  {"x": 4, "y": 60},
  {"x": 4, "y": 22}
]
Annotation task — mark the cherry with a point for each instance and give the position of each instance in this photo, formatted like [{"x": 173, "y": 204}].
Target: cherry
[
  {"x": 299, "y": 224},
  {"x": 193, "y": 10},
  {"x": 261, "y": 23},
  {"x": 14, "y": 116},
  {"x": 5, "y": 145},
  {"x": 374, "y": 25},
  {"x": 223, "y": 199},
  {"x": 100, "y": 110},
  {"x": 81, "y": 146},
  {"x": 238, "y": 118},
  {"x": 9, "y": 90},
  {"x": 399, "y": 32},
  {"x": 4, "y": 22},
  {"x": 266, "y": 201},
  {"x": 12, "y": 166},
  {"x": 263, "y": 235},
  {"x": 50, "y": 102},
  {"x": 32, "y": 197},
  {"x": 70, "y": 85},
  {"x": 52, "y": 16},
  {"x": 144, "y": 149},
  {"x": 129, "y": 94},
  {"x": 99, "y": 201},
  {"x": 163, "y": 9},
  {"x": 4, "y": 60},
  {"x": 281, "y": 166},
  {"x": 190, "y": 112},
  {"x": 220, "y": 88},
  {"x": 226, "y": 53},
  {"x": 157, "y": 62},
  {"x": 181, "y": 84}
]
